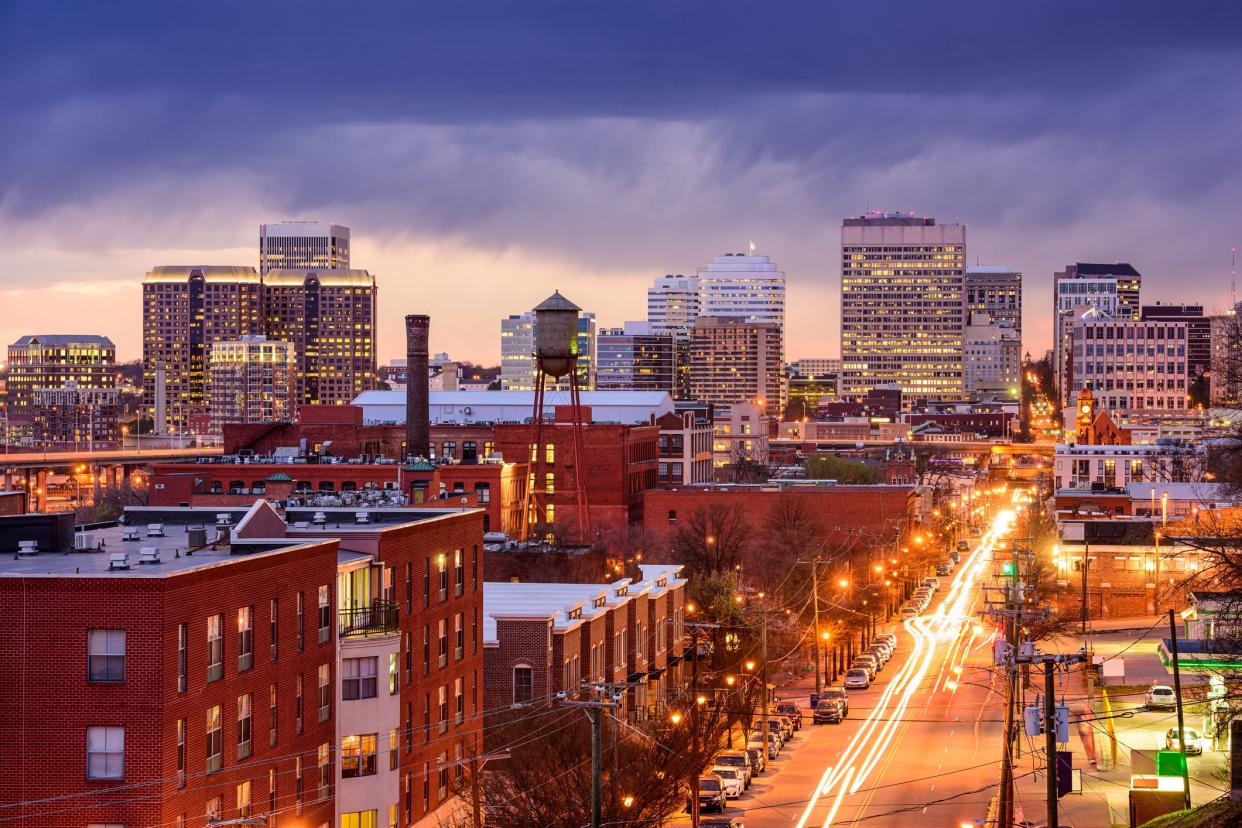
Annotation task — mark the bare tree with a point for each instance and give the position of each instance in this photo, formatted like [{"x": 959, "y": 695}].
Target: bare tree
[
  {"x": 714, "y": 537},
  {"x": 111, "y": 502},
  {"x": 750, "y": 464},
  {"x": 647, "y": 766}
]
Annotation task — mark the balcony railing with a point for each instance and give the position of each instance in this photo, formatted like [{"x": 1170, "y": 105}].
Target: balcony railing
[{"x": 378, "y": 618}]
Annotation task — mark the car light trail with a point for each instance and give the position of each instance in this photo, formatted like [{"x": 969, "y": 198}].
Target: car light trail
[{"x": 948, "y": 625}]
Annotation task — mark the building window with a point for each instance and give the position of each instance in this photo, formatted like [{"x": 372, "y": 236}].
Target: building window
[
  {"x": 271, "y": 793},
  {"x": 358, "y": 756},
  {"x": 483, "y": 493},
  {"x": 215, "y": 739},
  {"x": 443, "y": 641},
  {"x": 409, "y": 586},
  {"x": 297, "y": 785},
  {"x": 301, "y": 619},
  {"x": 183, "y": 644},
  {"x": 325, "y": 615},
  {"x": 359, "y": 819},
  {"x": 271, "y": 714},
  {"x": 444, "y": 708},
  {"x": 393, "y": 684},
  {"x": 245, "y": 638},
  {"x": 426, "y": 650},
  {"x": 243, "y": 799},
  {"x": 459, "y": 630},
  {"x": 549, "y": 483},
  {"x": 325, "y": 772},
  {"x": 549, "y": 514},
  {"x": 105, "y": 655},
  {"x": 459, "y": 702},
  {"x": 244, "y": 745},
  {"x": 523, "y": 684},
  {"x": 325, "y": 692},
  {"x": 215, "y": 647},
  {"x": 358, "y": 678},
  {"x": 392, "y": 749},
  {"x": 672, "y": 515},
  {"x": 214, "y": 808},
  {"x": 105, "y": 753},
  {"x": 275, "y": 610},
  {"x": 180, "y": 753},
  {"x": 459, "y": 573},
  {"x": 549, "y": 453},
  {"x": 297, "y": 706},
  {"x": 443, "y": 563}
]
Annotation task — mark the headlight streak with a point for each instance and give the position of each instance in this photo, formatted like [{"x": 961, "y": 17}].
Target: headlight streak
[{"x": 948, "y": 623}]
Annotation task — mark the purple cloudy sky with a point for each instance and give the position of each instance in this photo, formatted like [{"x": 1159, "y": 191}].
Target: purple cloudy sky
[{"x": 485, "y": 153}]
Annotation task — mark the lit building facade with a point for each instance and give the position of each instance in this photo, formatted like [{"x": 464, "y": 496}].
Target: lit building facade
[
  {"x": 902, "y": 305},
  {"x": 251, "y": 380},
  {"x": 673, "y": 303},
  {"x": 734, "y": 361},
  {"x": 997, "y": 291},
  {"x": 329, "y": 316},
  {"x": 1131, "y": 366},
  {"x": 52, "y": 361},
  {"x": 635, "y": 358},
  {"x": 73, "y": 416},
  {"x": 993, "y": 363},
  {"x": 303, "y": 245},
  {"x": 815, "y": 366},
  {"x": 1088, "y": 290},
  {"x": 1198, "y": 332}
]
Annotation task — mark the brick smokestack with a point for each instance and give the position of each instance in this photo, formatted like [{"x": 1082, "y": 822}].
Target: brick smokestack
[{"x": 417, "y": 413}]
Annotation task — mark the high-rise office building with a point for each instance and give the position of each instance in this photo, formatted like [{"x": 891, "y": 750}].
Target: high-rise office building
[
  {"x": 1088, "y": 290},
  {"x": 902, "y": 305},
  {"x": 815, "y": 366},
  {"x": 1131, "y": 366},
  {"x": 251, "y": 380},
  {"x": 997, "y": 291},
  {"x": 517, "y": 353},
  {"x": 303, "y": 245},
  {"x": 736, "y": 361},
  {"x": 741, "y": 286},
  {"x": 1198, "y": 332},
  {"x": 70, "y": 416},
  {"x": 185, "y": 310},
  {"x": 673, "y": 303},
  {"x": 993, "y": 358},
  {"x": 52, "y": 361},
  {"x": 329, "y": 316},
  {"x": 635, "y": 358}
]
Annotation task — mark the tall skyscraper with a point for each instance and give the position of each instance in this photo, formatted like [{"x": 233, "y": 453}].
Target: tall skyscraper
[
  {"x": 635, "y": 358},
  {"x": 1198, "y": 332},
  {"x": 517, "y": 353},
  {"x": 303, "y": 245},
  {"x": 1132, "y": 367},
  {"x": 997, "y": 291},
  {"x": 251, "y": 380},
  {"x": 52, "y": 361},
  {"x": 185, "y": 310},
  {"x": 740, "y": 286},
  {"x": 736, "y": 361},
  {"x": 1088, "y": 290},
  {"x": 329, "y": 316},
  {"x": 902, "y": 305},
  {"x": 673, "y": 303}
]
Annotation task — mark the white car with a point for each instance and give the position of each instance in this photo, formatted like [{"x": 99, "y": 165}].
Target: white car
[
  {"x": 733, "y": 780},
  {"x": 1160, "y": 697},
  {"x": 857, "y": 679}
]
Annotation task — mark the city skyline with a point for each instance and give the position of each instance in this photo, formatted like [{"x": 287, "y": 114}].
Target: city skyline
[{"x": 443, "y": 188}]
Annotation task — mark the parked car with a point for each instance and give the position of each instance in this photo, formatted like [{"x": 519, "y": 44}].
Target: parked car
[
  {"x": 774, "y": 743},
  {"x": 770, "y": 747},
  {"x": 828, "y": 711},
  {"x": 758, "y": 757},
  {"x": 909, "y": 611},
  {"x": 889, "y": 638},
  {"x": 790, "y": 711},
  {"x": 736, "y": 759},
  {"x": 880, "y": 652},
  {"x": 721, "y": 821},
  {"x": 733, "y": 779},
  {"x": 1160, "y": 697},
  {"x": 932, "y": 582},
  {"x": 1194, "y": 742},
  {"x": 955, "y": 556},
  {"x": 857, "y": 679},
  {"x": 944, "y": 568},
  {"x": 963, "y": 546},
  {"x": 780, "y": 726},
  {"x": 840, "y": 695},
  {"x": 866, "y": 665},
  {"x": 711, "y": 793}
]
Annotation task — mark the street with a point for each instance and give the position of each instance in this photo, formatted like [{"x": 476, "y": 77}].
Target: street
[{"x": 924, "y": 739}]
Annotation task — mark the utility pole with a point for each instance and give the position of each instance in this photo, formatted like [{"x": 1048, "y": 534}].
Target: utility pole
[
  {"x": 1181, "y": 724},
  {"x": 763, "y": 670},
  {"x": 476, "y": 797},
  {"x": 694, "y": 732},
  {"x": 1050, "y": 741},
  {"x": 819, "y": 687},
  {"x": 594, "y": 711}
]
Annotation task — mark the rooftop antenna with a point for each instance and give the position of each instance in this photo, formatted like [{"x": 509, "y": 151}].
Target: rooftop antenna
[
  {"x": 752, "y": 247},
  {"x": 1233, "y": 277}
]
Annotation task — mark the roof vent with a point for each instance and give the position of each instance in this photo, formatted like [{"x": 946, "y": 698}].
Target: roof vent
[
  {"x": 118, "y": 560},
  {"x": 149, "y": 555},
  {"x": 197, "y": 536},
  {"x": 155, "y": 530},
  {"x": 361, "y": 517},
  {"x": 223, "y": 519},
  {"x": 28, "y": 547}
]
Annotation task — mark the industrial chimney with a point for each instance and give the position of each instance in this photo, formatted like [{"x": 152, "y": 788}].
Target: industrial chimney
[{"x": 417, "y": 413}]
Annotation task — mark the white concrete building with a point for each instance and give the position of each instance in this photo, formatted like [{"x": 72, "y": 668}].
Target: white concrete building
[
  {"x": 303, "y": 245},
  {"x": 993, "y": 358},
  {"x": 743, "y": 286},
  {"x": 1130, "y": 366},
  {"x": 673, "y": 304},
  {"x": 1088, "y": 290},
  {"x": 1084, "y": 466}
]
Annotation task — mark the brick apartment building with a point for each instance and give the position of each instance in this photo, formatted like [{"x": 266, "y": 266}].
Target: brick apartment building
[
  {"x": 542, "y": 639},
  {"x": 685, "y": 448},
  {"x": 621, "y": 462},
  {"x": 282, "y": 670}
]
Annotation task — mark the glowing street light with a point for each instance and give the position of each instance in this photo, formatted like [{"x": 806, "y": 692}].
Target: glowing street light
[{"x": 675, "y": 718}]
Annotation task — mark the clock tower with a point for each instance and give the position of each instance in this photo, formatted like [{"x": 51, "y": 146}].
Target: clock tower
[{"x": 1084, "y": 416}]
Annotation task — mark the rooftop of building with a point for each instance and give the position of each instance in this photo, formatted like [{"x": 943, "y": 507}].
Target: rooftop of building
[
  {"x": 881, "y": 218},
  {"x": 302, "y": 229},
  {"x": 295, "y": 277},
  {"x": 1106, "y": 269},
  {"x": 785, "y": 485},
  {"x": 998, "y": 269},
  {"x": 171, "y": 274},
  {"x": 58, "y": 340},
  {"x": 568, "y": 605}
]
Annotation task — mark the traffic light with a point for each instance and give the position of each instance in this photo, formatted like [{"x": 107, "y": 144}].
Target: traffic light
[{"x": 1009, "y": 569}]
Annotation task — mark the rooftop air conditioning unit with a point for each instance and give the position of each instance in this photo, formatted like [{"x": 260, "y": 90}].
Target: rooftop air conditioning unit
[
  {"x": 361, "y": 517},
  {"x": 155, "y": 530},
  {"x": 149, "y": 555},
  {"x": 223, "y": 519},
  {"x": 83, "y": 541},
  {"x": 118, "y": 560},
  {"x": 28, "y": 547}
]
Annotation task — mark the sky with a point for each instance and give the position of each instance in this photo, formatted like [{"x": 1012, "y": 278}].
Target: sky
[{"x": 487, "y": 153}]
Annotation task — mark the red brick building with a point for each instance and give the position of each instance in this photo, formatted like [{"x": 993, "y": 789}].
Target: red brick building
[
  {"x": 621, "y": 462},
  {"x": 846, "y": 512},
  {"x": 541, "y": 639}
]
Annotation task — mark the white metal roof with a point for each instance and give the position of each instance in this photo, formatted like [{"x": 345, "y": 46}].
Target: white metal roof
[{"x": 514, "y": 406}]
